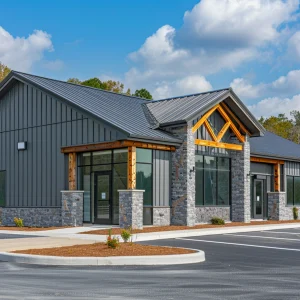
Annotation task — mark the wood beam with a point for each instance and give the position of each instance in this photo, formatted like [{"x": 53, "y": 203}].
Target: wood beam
[
  {"x": 227, "y": 109},
  {"x": 72, "y": 171},
  {"x": 218, "y": 145},
  {"x": 240, "y": 137},
  {"x": 131, "y": 176},
  {"x": 114, "y": 145},
  {"x": 222, "y": 131},
  {"x": 203, "y": 119},
  {"x": 277, "y": 177},
  {"x": 210, "y": 130},
  {"x": 266, "y": 160}
]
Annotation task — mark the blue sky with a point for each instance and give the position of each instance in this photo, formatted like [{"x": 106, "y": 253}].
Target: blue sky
[{"x": 170, "y": 47}]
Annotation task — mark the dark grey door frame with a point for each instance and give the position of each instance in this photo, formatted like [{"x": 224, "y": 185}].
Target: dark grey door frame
[
  {"x": 257, "y": 200},
  {"x": 96, "y": 219}
]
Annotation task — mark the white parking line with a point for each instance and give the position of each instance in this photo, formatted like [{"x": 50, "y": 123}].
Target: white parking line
[
  {"x": 285, "y": 232},
  {"x": 262, "y": 237},
  {"x": 238, "y": 244}
]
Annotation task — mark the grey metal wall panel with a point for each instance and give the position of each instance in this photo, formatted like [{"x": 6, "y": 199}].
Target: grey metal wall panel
[
  {"x": 292, "y": 168},
  {"x": 36, "y": 176},
  {"x": 261, "y": 168},
  {"x": 161, "y": 177}
]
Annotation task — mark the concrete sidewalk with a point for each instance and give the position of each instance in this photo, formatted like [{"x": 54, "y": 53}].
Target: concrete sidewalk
[{"x": 73, "y": 233}]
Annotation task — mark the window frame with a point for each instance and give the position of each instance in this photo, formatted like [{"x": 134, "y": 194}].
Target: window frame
[{"x": 293, "y": 189}]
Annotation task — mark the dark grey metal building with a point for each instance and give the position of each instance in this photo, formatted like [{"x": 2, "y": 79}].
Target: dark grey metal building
[{"x": 190, "y": 155}]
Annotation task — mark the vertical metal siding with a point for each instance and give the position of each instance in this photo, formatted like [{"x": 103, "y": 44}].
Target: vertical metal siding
[
  {"x": 161, "y": 178},
  {"x": 36, "y": 176},
  {"x": 292, "y": 168}
]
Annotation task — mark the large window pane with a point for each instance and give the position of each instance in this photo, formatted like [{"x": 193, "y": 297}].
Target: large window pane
[
  {"x": 199, "y": 180},
  {"x": 102, "y": 157},
  {"x": 85, "y": 185},
  {"x": 289, "y": 190},
  {"x": 2, "y": 188},
  {"x": 296, "y": 190},
  {"x": 210, "y": 162},
  {"x": 144, "y": 181},
  {"x": 223, "y": 187},
  {"x": 143, "y": 155},
  {"x": 120, "y": 156},
  {"x": 84, "y": 159},
  {"x": 210, "y": 187},
  {"x": 223, "y": 163},
  {"x": 119, "y": 183}
]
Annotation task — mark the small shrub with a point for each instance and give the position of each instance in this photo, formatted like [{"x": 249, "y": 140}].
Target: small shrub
[
  {"x": 295, "y": 213},
  {"x": 112, "y": 242},
  {"x": 18, "y": 222},
  {"x": 126, "y": 235},
  {"x": 217, "y": 221}
]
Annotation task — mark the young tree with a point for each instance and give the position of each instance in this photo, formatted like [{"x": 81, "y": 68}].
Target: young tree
[
  {"x": 143, "y": 93},
  {"x": 4, "y": 70}
]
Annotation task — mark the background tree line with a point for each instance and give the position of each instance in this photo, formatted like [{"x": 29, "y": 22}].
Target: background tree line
[
  {"x": 109, "y": 85},
  {"x": 288, "y": 128}
]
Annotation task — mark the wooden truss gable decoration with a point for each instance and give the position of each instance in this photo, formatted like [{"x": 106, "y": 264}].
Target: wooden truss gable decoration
[{"x": 216, "y": 139}]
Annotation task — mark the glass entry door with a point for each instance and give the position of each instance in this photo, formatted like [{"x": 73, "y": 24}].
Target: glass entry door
[
  {"x": 258, "y": 200},
  {"x": 102, "y": 207}
]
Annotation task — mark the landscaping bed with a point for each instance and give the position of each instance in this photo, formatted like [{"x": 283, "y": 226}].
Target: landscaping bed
[
  {"x": 101, "y": 250},
  {"x": 15, "y": 228},
  {"x": 117, "y": 231}
]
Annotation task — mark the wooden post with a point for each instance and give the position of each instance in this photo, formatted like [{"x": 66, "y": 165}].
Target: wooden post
[
  {"x": 277, "y": 177},
  {"x": 131, "y": 175},
  {"x": 72, "y": 171}
]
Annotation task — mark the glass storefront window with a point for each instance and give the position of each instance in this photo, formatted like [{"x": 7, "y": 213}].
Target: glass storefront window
[
  {"x": 120, "y": 156},
  {"x": 293, "y": 190},
  {"x": 143, "y": 155},
  {"x": 212, "y": 180},
  {"x": 101, "y": 157},
  {"x": 144, "y": 181}
]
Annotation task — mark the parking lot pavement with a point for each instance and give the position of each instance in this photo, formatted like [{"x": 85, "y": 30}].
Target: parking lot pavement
[{"x": 237, "y": 266}]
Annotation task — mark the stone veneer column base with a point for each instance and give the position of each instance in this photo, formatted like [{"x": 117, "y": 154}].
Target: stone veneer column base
[
  {"x": 72, "y": 208},
  {"x": 161, "y": 216},
  {"x": 131, "y": 208},
  {"x": 277, "y": 208},
  {"x": 32, "y": 216},
  {"x": 204, "y": 214}
]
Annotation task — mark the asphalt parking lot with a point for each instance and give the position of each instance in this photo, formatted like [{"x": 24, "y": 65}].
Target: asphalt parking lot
[
  {"x": 256, "y": 265},
  {"x": 4, "y": 236}
]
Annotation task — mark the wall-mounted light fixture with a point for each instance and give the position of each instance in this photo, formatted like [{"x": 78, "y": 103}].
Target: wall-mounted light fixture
[
  {"x": 192, "y": 170},
  {"x": 22, "y": 145}
]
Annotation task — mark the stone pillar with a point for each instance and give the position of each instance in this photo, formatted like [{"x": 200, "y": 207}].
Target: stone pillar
[
  {"x": 240, "y": 184},
  {"x": 131, "y": 204},
  {"x": 183, "y": 178},
  {"x": 72, "y": 208},
  {"x": 277, "y": 207},
  {"x": 161, "y": 216}
]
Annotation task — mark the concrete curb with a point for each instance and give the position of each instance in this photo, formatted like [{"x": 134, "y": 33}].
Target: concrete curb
[{"x": 177, "y": 259}]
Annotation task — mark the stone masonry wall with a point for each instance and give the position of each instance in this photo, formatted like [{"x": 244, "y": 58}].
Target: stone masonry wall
[
  {"x": 32, "y": 216},
  {"x": 131, "y": 208},
  {"x": 240, "y": 195},
  {"x": 183, "y": 178},
  {"x": 205, "y": 213},
  {"x": 72, "y": 208},
  {"x": 277, "y": 208},
  {"x": 161, "y": 216}
]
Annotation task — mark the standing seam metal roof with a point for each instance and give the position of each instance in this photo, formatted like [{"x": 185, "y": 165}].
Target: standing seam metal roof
[
  {"x": 182, "y": 108},
  {"x": 122, "y": 111}
]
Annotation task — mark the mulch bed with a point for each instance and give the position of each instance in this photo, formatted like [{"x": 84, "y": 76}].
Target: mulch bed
[
  {"x": 115, "y": 231},
  {"x": 101, "y": 250},
  {"x": 14, "y": 228}
]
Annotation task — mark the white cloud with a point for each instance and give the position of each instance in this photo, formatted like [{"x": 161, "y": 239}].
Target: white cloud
[
  {"x": 274, "y": 106},
  {"x": 188, "y": 85},
  {"x": 20, "y": 53},
  {"x": 294, "y": 46},
  {"x": 237, "y": 23},
  {"x": 216, "y": 35},
  {"x": 283, "y": 86}
]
